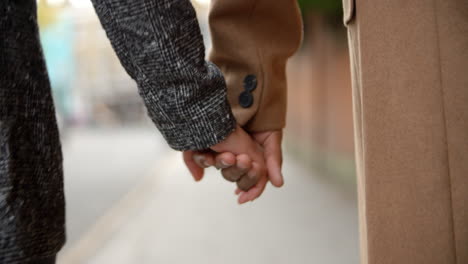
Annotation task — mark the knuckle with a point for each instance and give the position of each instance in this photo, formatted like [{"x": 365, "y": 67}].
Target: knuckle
[
  {"x": 229, "y": 178},
  {"x": 253, "y": 177},
  {"x": 242, "y": 186},
  {"x": 230, "y": 175},
  {"x": 246, "y": 183}
]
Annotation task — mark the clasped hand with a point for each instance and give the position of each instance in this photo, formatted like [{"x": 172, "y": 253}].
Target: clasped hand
[{"x": 249, "y": 160}]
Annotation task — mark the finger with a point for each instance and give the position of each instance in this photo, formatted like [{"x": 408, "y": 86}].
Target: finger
[
  {"x": 274, "y": 160},
  {"x": 254, "y": 193},
  {"x": 196, "y": 171},
  {"x": 243, "y": 161},
  {"x": 225, "y": 160},
  {"x": 251, "y": 178},
  {"x": 203, "y": 159},
  {"x": 235, "y": 173},
  {"x": 239, "y": 142}
]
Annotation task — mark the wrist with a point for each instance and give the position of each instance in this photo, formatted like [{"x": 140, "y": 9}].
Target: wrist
[{"x": 234, "y": 142}]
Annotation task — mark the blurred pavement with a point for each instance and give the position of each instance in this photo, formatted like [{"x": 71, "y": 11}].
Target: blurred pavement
[
  {"x": 165, "y": 217},
  {"x": 101, "y": 166}
]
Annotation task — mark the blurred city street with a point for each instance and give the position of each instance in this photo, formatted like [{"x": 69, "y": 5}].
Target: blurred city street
[
  {"x": 130, "y": 199},
  {"x": 138, "y": 204}
]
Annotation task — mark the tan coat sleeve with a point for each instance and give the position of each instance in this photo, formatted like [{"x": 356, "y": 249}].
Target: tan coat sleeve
[{"x": 252, "y": 41}]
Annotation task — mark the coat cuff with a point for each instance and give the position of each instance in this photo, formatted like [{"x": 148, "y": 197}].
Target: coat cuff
[{"x": 203, "y": 132}]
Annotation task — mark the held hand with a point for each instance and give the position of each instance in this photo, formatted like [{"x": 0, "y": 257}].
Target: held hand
[
  {"x": 233, "y": 166},
  {"x": 270, "y": 141},
  {"x": 240, "y": 149}
]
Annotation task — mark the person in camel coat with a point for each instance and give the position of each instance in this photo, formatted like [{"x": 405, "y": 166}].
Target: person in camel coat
[{"x": 409, "y": 63}]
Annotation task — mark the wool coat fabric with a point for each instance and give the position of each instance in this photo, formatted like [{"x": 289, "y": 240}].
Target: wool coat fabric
[
  {"x": 159, "y": 44},
  {"x": 410, "y": 90},
  {"x": 253, "y": 39}
]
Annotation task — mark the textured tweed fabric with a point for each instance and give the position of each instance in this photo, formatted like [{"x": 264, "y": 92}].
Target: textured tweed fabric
[{"x": 159, "y": 44}]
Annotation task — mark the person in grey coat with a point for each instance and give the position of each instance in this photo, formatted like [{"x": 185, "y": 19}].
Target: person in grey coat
[{"x": 160, "y": 46}]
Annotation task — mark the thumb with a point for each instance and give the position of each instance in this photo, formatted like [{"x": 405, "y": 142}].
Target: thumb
[
  {"x": 195, "y": 170},
  {"x": 274, "y": 159}
]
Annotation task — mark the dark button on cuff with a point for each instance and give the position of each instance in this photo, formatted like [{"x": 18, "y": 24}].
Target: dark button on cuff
[
  {"x": 250, "y": 83},
  {"x": 246, "y": 99}
]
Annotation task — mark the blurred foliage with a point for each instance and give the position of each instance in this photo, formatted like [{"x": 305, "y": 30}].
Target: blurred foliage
[
  {"x": 330, "y": 11},
  {"x": 329, "y": 7}
]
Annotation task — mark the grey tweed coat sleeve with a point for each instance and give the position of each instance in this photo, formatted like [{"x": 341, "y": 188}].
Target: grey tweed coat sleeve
[{"x": 160, "y": 45}]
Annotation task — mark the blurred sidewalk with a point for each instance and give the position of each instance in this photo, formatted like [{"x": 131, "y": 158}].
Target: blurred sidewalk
[
  {"x": 168, "y": 218},
  {"x": 101, "y": 165}
]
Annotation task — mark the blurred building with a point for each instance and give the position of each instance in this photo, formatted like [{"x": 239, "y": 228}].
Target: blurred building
[
  {"x": 90, "y": 86},
  {"x": 320, "y": 119}
]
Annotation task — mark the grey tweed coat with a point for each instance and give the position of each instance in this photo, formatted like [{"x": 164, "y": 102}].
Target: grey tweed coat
[{"x": 159, "y": 44}]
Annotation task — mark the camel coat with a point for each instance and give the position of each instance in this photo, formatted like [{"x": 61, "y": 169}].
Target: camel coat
[{"x": 409, "y": 63}]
